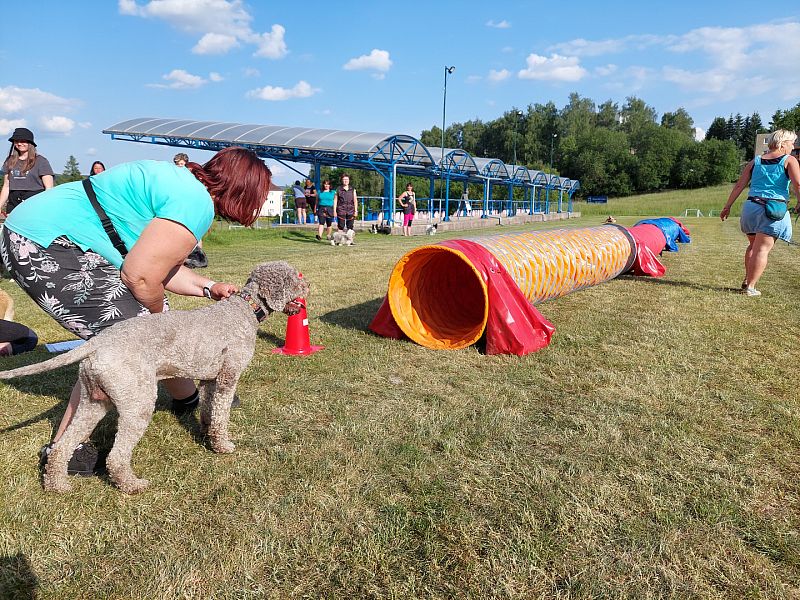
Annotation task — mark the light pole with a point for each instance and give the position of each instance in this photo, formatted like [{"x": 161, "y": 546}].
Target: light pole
[
  {"x": 447, "y": 71},
  {"x": 552, "y": 139},
  {"x": 517, "y": 114}
]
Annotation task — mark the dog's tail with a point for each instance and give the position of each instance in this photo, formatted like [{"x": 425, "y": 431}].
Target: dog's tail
[{"x": 62, "y": 360}]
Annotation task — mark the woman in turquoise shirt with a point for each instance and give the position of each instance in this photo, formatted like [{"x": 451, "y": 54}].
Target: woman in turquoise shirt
[
  {"x": 769, "y": 177},
  {"x": 58, "y": 252},
  {"x": 326, "y": 209}
]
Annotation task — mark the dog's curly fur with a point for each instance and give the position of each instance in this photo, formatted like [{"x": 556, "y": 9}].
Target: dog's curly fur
[
  {"x": 343, "y": 238},
  {"x": 213, "y": 344}
]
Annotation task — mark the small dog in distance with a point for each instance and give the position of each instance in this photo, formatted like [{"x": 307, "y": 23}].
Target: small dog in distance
[
  {"x": 342, "y": 238},
  {"x": 432, "y": 229}
]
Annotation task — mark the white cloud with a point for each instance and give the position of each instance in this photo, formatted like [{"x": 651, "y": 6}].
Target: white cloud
[
  {"x": 91, "y": 152},
  {"x": 7, "y": 126},
  {"x": 699, "y": 134},
  {"x": 497, "y": 76},
  {"x": 215, "y": 43},
  {"x": 57, "y": 124},
  {"x": 179, "y": 79},
  {"x": 84, "y": 124},
  {"x": 498, "y": 24},
  {"x": 15, "y": 100},
  {"x": 555, "y": 68},
  {"x": 473, "y": 78},
  {"x": 506, "y": 49},
  {"x": 377, "y": 60},
  {"x": 251, "y": 72},
  {"x": 583, "y": 47},
  {"x": 221, "y": 24},
  {"x": 272, "y": 45},
  {"x": 605, "y": 70},
  {"x": 274, "y": 93}
]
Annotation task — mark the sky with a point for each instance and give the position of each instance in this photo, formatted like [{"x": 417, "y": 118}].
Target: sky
[{"x": 70, "y": 69}]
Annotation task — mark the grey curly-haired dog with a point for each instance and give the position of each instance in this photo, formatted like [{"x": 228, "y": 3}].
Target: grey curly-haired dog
[{"x": 213, "y": 344}]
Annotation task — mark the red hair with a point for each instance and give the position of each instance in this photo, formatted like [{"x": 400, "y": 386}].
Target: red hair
[{"x": 238, "y": 182}]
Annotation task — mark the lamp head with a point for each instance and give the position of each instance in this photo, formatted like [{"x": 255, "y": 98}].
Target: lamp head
[{"x": 450, "y": 70}]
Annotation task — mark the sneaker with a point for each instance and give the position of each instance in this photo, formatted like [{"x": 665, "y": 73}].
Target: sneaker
[
  {"x": 185, "y": 406},
  {"x": 319, "y": 237},
  {"x": 82, "y": 462},
  {"x": 744, "y": 285},
  {"x": 748, "y": 291}
]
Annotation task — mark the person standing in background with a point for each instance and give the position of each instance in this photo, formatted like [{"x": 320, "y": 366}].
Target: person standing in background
[
  {"x": 326, "y": 209},
  {"x": 346, "y": 204},
  {"x": 408, "y": 200},
  {"x": 311, "y": 198},
  {"x": 180, "y": 159},
  {"x": 97, "y": 168},
  {"x": 26, "y": 172},
  {"x": 300, "y": 203}
]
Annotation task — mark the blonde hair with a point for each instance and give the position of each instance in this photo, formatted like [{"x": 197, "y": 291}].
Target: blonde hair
[{"x": 780, "y": 137}]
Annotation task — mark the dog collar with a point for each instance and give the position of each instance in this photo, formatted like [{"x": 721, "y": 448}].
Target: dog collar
[{"x": 258, "y": 310}]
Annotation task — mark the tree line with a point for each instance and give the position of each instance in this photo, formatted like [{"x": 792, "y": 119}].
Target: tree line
[{"x": 615, "y": 149}]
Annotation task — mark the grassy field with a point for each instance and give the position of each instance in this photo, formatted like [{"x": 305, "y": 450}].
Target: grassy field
[
  {"x": 650, "y": 452},
  {"x": 672, "y": 203}
]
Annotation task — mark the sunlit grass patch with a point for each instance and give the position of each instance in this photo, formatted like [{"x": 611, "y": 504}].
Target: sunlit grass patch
[{"x": 650, "y": 451}]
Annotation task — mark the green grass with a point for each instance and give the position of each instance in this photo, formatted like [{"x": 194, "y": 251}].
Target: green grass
[
  {"x": 651, "y": 451},
  {"x": 672, "y": 203}
]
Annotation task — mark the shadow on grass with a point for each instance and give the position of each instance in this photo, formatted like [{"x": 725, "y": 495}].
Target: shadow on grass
[
  {"x": 683, "y": 284},
  {"x": 17, "y": 579},
  {"x": 300, "y": 236},
  {"x": 356, "y": 317}
]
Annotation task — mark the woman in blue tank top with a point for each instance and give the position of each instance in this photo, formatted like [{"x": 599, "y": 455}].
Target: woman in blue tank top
[{"x": 769, "y": 177}]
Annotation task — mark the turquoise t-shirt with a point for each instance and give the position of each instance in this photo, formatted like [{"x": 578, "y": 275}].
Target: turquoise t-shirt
[
  {"x": 326, "y": 198},
  {"x": 132, "y": 194}
]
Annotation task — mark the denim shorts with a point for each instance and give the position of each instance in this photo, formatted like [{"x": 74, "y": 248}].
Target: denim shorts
[{"x": 755, "y": 220}]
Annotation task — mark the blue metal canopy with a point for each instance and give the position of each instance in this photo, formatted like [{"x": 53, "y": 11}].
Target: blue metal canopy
[{"x": 389, "y": 154}]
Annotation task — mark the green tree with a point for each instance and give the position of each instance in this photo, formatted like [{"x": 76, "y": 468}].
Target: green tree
[
  {"x": 656, "y": 151},
  {"x": 786, "y": 119},
  {"x": 717, "y": 129},
  {"x": 608, "y": 115},
  {"x": 601, "y": 159},
  {"x": 679, "y": 121},
  {"x": 71, "y": 171},
  {"x": 635, "y": 115}
]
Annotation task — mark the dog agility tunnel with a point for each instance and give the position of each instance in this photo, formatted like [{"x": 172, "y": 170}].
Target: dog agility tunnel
[{"x": 452, "y": 294}]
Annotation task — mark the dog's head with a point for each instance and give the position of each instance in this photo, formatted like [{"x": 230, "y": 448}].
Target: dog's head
[{"x": 278, "y": 286}]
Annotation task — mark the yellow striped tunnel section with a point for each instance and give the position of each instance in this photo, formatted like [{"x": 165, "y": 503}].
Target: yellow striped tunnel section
[
  {"x": 439, "y": 299},
  {"x": 551, "y": 264}
]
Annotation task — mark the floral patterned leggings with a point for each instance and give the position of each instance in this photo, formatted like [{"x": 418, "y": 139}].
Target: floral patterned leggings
[{"x": 81, "y": 290}]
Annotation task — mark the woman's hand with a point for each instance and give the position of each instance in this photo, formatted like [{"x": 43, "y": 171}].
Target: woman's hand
[
  {"x": 222, "y": 290},
  {"x": 723, "y": 214}
]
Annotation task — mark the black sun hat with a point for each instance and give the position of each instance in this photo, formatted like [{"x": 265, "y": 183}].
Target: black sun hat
[{"x": 22, "y": 134}]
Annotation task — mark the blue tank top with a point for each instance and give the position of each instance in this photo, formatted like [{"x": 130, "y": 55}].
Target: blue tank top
[{"x": 771, "y": 180}]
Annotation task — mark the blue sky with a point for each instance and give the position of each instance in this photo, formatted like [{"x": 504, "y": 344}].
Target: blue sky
[{"x": 70, "y": 69}]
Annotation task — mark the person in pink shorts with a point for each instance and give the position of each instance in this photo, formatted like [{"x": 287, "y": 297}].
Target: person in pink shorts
[{"x": 408, "y": 200}]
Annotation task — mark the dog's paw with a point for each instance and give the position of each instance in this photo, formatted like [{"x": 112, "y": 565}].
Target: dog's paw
[
  {"x": 222, "y": 446},
  {"x": 59, "y": 485},
  {"x": 133, "y": 486}
]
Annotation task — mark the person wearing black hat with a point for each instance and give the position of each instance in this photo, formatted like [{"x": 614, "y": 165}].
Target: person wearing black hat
[{"x": 26, "y": 173}]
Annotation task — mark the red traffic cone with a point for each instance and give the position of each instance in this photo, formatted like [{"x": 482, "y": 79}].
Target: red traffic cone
[{"x": 298, "y": 340}]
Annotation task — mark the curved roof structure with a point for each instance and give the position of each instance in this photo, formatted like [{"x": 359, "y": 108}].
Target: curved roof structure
[{"x": 379, "y": 151}]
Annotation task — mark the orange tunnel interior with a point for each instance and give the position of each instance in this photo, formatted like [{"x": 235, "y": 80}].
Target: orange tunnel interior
[{"x": 438, "y": 298}]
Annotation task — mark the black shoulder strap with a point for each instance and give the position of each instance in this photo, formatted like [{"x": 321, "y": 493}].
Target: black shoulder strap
[{"x": 108, "y": 226}]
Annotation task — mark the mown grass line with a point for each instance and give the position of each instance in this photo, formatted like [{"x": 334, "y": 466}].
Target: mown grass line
[{"x": 650, "y": 451}]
